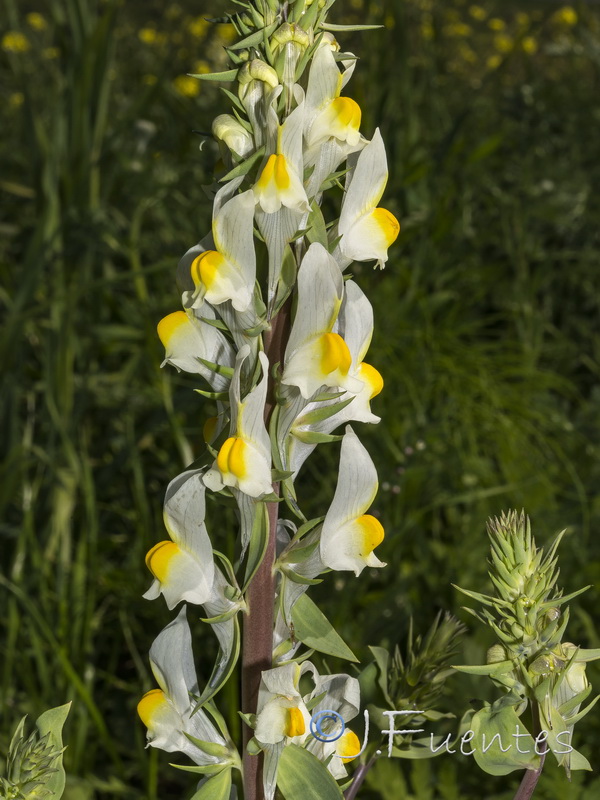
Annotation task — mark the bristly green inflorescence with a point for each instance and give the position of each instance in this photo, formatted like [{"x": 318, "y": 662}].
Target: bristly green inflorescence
[
  {"x": 530, "y": 661},
  {"x": 30, "y": 764}
]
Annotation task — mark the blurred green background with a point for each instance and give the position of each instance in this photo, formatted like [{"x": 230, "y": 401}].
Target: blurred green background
[{"x": 487, "y": 335}]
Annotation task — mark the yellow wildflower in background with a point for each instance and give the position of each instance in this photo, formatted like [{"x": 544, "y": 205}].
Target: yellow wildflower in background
[
  {"x": 522, "y": 19},
  {"x": 16, "y": 100},
  {"x": 478, "y": 13},
  {"x": 187, "y": 86},
  {"x": 148, "y": 35},
  {"x": 36, "y": 21},
  {"x": 202, "y": 67},
  {"x": 458, "y": 29},
  {"x": 503, "y": 43},
  {"x": 493, "y": 62},
  {"x": 566, "y": 15},
  {"x": 149, "y": 80},
  {"x": 50, "y": 53},
  {"x": 198, "y": 27},
  {"x": 529, "y": 45},
  {"x": 497, "y": 24},
  {"x": 226, "y": 33},
  {"x": 15, "y": 42}
]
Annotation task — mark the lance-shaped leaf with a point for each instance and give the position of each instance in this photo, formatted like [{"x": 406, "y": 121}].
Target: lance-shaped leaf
[
  {"x": 315, "y": 356},
  {"x": 366, "y": 230},
  {"x": 222, "y": 613},
  {"x": 301, "y": 774},
  {"x": 244, "y": 460},
  {"x": 349, "y": 536},
  {"x": 183, "y": 567},
  {"x": 494, "y": 744},
  {"x": 167, "y": 711},
  {"x": 187, "y": 339}
]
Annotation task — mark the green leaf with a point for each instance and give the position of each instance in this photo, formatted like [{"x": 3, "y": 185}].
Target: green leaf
[
  {"x": 314, "y": 437},
  {"x": 245, "y": 167},
  {"x": 255, "y": 38},
  {"x": 300, "y": 774},
  {"x": 220, "y": 674},
  {"x": 498, "y": 668},
  {"x": 216, "y": 788},
  {"x": 317, "y": 232},
  {"x": 321, "y": 414},
  {"x": 328, "y": 26},
  {"x": 228, "y": 75},
  {"x": 212, "y": 748},
  {"x": 51, "y": 722},
  {"x": 222, "y": 396},
  {"x": 219, "y": 369},
  {"x": 259, "y": 540},
  {"x": 313, "y": 628},
  {"x": 297, "y": 578},
  {"x": 499, "y": 729}
]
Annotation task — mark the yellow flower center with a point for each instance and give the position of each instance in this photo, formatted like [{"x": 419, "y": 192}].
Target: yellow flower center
[
  {"x": 169, "y": 325},
  {"x": 371, "y": 377},
  {"x": 389, "y": 225},
  {"x": 159, "y": 558},
  {"x": 372, "y": 532},
  {"x": 231, "y": 457},
  {"x": 205, "y": 268},
  {"x": 295, "y": 723},
  {"x": 348, "y": 746},
  {"x": 347, "y": 112},
  {"x": 275, "y": 170},
  {"x": 334, "y": 354},
  {"x": 149, "y": 705}
]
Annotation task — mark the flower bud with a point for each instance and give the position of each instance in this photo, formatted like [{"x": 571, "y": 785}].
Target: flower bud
[
  {"x": 259, "y": 71},
  {"x": 232, "y": 133},
  {"x": 495, "y": 654}
]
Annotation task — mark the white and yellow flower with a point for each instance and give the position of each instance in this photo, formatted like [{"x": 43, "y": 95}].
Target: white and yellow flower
[
  {"x": 244, "y": 459},
  {"x": 355, "y": 325},
  {"x": 349, "y": 535},
  {"x": 329, "y": 115},
  {"x": 280, "y": 181},
  {"x": 187, "y": 339},
  {"x": 332, "y": 122},
  {"x": 366, "y": 230},
  {"x": 168, "y": 712},
  {"x": 316, "y": 356},
  {"x": 183, "y": 566},
  {"x": 228, "y": 272}
]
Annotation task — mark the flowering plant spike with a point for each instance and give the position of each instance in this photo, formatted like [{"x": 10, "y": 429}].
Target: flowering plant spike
[{"x": 276, "y": 335}]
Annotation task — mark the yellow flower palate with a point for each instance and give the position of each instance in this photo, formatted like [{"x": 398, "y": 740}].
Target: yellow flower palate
[
  {"x": 159, "y": 558},
  {"x": 205, "y": 268},
  {"x": 334, "y": 354},
  {"x": 348, "y": 746},
  {"x": 231, "y": 457},
  {"x": 387, "y": 222},
  {"x": 295, "y": 725},
  {"x": 169, "y": 325},
  {"x": 371, "y": 377},
  {"x": 275, "y": 171},
  {"x": 372, "y": 532},
  {"x": 150, "y": 703}
]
